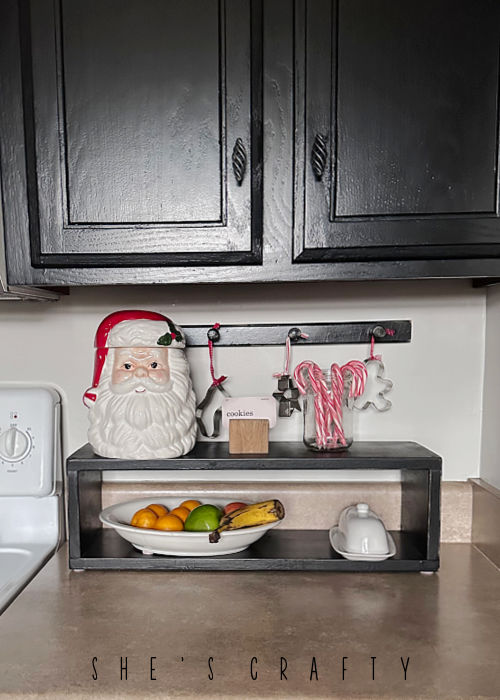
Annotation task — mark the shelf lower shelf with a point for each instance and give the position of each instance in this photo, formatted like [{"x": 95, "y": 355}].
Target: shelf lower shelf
[{"x": 278, "y": 550}]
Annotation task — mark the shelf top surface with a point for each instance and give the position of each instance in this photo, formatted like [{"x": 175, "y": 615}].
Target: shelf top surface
[{"x": 282, "y": 455}]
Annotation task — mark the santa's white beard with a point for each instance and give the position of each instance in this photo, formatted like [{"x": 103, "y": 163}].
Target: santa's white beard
[{"x": 146, "y": 425}]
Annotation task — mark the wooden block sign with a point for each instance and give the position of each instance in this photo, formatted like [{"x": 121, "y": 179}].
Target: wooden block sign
[{"x": 249, "y": 436}]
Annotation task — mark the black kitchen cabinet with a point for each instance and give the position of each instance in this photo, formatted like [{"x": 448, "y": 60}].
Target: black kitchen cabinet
[
  {"x": 396, "y": 146},
  {"x": 143, "y": 123},
  {"x": 169, "y": 141}
]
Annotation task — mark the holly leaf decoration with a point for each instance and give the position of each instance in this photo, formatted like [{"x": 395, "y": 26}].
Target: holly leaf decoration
[
  {"x": 165, "y": 339},
  {"x": 169, "y": 337}
]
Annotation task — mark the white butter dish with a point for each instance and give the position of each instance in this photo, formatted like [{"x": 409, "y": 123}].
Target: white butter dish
[
  {"x": 337, "y": 540},
  {"x": 361, "y": 535}
]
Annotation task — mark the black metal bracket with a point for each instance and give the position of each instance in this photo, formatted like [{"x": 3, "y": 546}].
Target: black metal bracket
[{"x": 346, "y": 333}]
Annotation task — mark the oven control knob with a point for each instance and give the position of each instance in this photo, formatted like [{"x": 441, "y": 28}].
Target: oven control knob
[{"x": 14, "y": 445}]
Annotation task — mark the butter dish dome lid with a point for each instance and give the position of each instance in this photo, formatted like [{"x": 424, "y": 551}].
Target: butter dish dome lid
[{"x": 362, "y": 531}]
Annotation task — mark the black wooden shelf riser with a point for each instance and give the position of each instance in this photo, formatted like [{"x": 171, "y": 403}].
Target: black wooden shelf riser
[{"x": 92, "y": 547}]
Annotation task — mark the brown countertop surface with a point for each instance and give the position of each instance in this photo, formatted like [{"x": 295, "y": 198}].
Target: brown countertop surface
[{"x": 448, "y": 624}]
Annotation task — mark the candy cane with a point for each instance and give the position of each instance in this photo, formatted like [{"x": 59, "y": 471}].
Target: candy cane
[
  {"x": 358, "y": 371},
  {"x": 322, "y": 399},
  {"x": 337, "y": 381}
]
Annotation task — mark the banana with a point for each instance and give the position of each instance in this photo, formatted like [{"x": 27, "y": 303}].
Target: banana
[{"x": 251, "y": 516}]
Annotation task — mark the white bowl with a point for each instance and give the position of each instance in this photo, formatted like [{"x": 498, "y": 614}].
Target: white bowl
[{"x": 180, "y": 544}]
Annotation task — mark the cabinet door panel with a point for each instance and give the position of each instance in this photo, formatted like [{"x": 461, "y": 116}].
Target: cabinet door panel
[
  {"x": 143, "y": 125},
  {"x": 136, "y": 107},
  {"x": 404, "y": 99}
]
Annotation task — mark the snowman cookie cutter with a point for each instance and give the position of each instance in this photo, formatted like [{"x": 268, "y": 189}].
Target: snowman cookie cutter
[{"x": 380, "y": 403}]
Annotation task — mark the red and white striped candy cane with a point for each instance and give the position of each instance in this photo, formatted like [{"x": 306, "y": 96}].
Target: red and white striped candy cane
[
  {"x": 358, "y": 371},
  {"x": 337, "y": 382},
  {"x": 322, "y": 399}
]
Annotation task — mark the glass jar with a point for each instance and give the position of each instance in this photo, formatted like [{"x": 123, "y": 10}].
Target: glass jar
[{"x": 328, "y": 426}]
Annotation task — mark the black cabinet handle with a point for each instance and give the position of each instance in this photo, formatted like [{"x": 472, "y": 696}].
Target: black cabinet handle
[
  {"x": 239, "y": 158},
  {"x": 319, "y": 155}
]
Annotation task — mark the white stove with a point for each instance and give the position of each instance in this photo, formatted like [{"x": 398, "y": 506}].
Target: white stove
[{"x": 30, "y": 484}]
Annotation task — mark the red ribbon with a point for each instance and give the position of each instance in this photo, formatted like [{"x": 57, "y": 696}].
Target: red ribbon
[{"x": 215, "y": 381}]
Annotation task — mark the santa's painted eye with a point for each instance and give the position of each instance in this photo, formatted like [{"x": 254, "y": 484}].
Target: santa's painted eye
[
  {"x": 127, "y": 365},
  {"x": 154, "y": 365}
]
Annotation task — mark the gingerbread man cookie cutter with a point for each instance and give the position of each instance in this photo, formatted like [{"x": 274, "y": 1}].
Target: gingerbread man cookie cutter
[{"x": 380, "y": 402}]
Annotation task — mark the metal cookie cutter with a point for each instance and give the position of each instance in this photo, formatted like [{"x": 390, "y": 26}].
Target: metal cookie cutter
[
  {"x": 381, "y": 403},
  {"x": 287, "y": 396}
]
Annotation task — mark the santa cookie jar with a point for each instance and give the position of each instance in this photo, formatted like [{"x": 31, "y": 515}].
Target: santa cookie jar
[{"x": 142, "y": 404}]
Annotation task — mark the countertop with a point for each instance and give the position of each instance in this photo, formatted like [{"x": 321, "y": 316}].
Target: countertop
[{"x": 200, "y": 624}]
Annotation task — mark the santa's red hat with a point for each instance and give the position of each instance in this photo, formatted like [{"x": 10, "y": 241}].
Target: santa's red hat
[{"x": 124, "y": 329}]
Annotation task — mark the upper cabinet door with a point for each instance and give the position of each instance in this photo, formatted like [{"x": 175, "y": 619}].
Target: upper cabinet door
[
  {"x": 143, "y": 122},
  {"x": 396, "y": 142}
]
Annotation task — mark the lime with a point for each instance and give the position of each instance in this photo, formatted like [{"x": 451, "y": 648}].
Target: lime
[{"x": 203, "y": 519}]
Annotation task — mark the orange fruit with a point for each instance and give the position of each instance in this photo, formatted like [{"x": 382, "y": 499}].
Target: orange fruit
[
  {"x": 169, "y": 522},
  {"x": 144, "y": 518},
  {"x": 190, "y": 505},
  {"x": 158, "y": 509},
  {"x": 181, "y": 512}
]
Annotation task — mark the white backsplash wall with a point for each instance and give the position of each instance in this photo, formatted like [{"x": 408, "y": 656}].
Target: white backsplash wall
[
  {"x": 490, "y": 457},
  {"x": 438, "y": 377}
]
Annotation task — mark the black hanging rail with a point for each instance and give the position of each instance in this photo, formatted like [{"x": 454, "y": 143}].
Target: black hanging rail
[{"x": 345, "y": 333}]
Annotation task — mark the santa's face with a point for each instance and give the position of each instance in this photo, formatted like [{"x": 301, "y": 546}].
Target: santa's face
[
  {"x": 145, "y": 405},
  {"x": 140, "y": 370}
]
